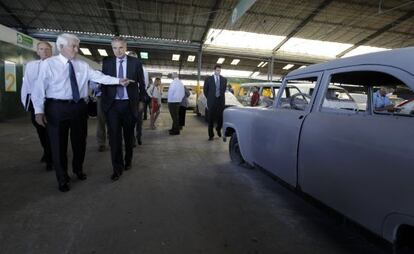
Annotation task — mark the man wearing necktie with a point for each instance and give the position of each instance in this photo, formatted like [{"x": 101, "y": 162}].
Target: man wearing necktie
[
  {"x": 59, "y": 99},
  {"x": 122, "y": 104},
  {"x": 214, "y": 89},
  {"x": 44, "y": 51}
]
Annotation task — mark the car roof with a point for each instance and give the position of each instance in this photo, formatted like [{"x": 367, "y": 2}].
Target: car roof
[{"x": 398, "y": 58}]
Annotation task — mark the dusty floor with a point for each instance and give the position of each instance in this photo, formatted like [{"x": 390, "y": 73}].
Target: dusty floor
[{"x": 182, "y": 196}]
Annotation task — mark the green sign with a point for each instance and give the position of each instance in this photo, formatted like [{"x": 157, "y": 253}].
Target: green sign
[{"x": 24, "y": 40}]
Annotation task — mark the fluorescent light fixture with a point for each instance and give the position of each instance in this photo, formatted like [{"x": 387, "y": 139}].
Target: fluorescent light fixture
[
  {"x": 143, "y": 55},
  {"x": 239, "y": 39},
  {"x": 264, "y": 64},
  {"x": 86, "y": 51},
  {"x": 288, "y": 66},
  {"x": 221, "y": 60},
  {"x": 260, "y": 64},
  {"x": 190, "y": 58},
  {"x": 255, "y": 74},
  {"x": 102, "y": 52},
  {"x": 176, "y": 57},
  {"x": 325, "y": 49},
  {"x": 235, "y": 61},
  {"x": 364, "y": 50}
]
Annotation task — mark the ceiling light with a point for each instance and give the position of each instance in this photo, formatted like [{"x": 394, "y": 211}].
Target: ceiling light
[
  {"x": 144, "y": 55},
  {"x": 190, "y": 58},
  {"x": 102, "y": 52},
  {"x": 255, "y": 74},
  {"x": 235, "y": 61},
  {"x": 176, "y": 57},
  {"x": 288, "y": 66},
  {"x": 221, "y": 60},
  {"x": 264, "y": 64},
  {"x": 260, "y": 64},
  {"x": 86, "y": 51}
]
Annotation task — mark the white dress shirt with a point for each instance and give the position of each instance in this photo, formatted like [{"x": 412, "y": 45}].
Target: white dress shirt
[
  {"x": 124, "y": 68},
  {"x": 176, "y": 91},
  {"x": 30, "y": 75},
  {"x": 54, "y": 82}
]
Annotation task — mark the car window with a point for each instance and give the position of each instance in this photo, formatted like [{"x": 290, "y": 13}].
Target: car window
[
  {"x": 296, "y": 95},
  {"x": 267, "y": 92},
  {"x": 338, "y": 99},
  {"x": 360, "y": 91}
]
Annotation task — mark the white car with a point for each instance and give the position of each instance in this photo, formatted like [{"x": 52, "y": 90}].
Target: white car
[
  {"x": 164, "y": 92},
  {"x": 230, "y": 100},
  {"x": 192, "y": 99}
]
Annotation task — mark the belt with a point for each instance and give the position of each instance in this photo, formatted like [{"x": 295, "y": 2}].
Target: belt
[{"x": 64, "y": 101}]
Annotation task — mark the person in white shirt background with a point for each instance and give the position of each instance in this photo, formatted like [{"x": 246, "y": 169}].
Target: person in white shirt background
[
  {"x": 175, "y": 96},
  {"x": 59, "y": 99},
  {"x": 44, "y": 51},
  {"x": 154, "y": 91}
]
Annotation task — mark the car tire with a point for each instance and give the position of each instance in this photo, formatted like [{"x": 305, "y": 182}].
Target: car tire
[{"x": 234, "y": 150}]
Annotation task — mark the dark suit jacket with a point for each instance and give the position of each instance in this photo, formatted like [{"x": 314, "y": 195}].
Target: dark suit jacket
[
  {"x": 210, "y": 91},
  {"x": 136, "y": 91}
]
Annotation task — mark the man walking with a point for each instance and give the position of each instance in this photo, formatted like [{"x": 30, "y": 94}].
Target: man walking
[
  {"x": 175, "y": 96},
  {"x": 44, "y": 51},
  {"x": 214, "y": 89},
  {"x": 59, "y": 100},
  {"x": 122, "y": 104}
]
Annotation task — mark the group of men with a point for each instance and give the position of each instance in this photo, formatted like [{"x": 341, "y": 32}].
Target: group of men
[{"x": 55, "y": 90}]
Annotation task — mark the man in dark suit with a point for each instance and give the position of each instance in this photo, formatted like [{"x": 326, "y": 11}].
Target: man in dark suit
[
  {"x": 122, "y": 104},
  {"x": 214, "y": 89}
]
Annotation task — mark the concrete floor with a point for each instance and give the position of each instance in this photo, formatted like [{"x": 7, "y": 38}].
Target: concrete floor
[{"x": 182, "y": 196}]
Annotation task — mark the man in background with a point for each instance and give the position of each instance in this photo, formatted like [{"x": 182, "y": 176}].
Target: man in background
[
  {"x": 175, "y": 96},
  {"x": 44, "y": 51},
  {"x": 214, "y": 89}
]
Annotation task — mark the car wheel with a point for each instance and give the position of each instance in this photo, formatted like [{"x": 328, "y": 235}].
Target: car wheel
[{"x": 234, "y": 150}]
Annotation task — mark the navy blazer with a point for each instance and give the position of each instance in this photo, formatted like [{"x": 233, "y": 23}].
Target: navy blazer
[{"x": 136, "y": 90}]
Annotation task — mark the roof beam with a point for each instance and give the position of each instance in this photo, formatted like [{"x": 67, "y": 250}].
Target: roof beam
[
  {"x": 211, "y": 19},
  {"x": 9, "y": 12},
  {"x": 303, "y": 23},
  {"x": 108, "y": 5},
  {"x": 380, "y": 31}
]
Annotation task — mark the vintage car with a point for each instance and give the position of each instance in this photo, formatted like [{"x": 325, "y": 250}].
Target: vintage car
[
  {"x": 266, "y": 91},
  {"x": 201, "y": 108},
  {"x": 353, "y": 159}
]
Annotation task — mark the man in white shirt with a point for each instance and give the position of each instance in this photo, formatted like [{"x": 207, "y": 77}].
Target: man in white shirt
[
  {"x": 175, "y": 96},
  {"x": 44, "y": 51},
  {"x": 59, "y": 100}
]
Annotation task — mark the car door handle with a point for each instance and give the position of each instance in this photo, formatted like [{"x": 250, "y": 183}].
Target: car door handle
[{"x": 300, "y": 117}]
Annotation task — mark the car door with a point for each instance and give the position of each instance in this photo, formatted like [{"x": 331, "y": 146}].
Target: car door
[
  {"x": 276, "y": 130},
  {"x": 359, "y": 162}
]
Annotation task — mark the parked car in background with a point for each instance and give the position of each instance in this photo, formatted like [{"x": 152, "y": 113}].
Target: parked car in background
[
  {"x": 267, "y": 91},
  {"x": 201, "y": 108},
  {"x": 164, "y": 92},
  {"x": 192, "y": 99},
  {"x": 354, "y": 159}
]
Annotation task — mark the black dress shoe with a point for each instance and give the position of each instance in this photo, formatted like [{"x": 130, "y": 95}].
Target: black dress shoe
[
  {"x": 101, "y": 148},
  {"x": 81, "y": 176},
  {"x": 210, "y": 138},
  {"x": 49, "y": 167},
  {"x": 114, "y": 177},
  {"x": 139, "y": 141},
  {"x": 64, "y": 187},
  {"x": 174, "y": 133}
]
